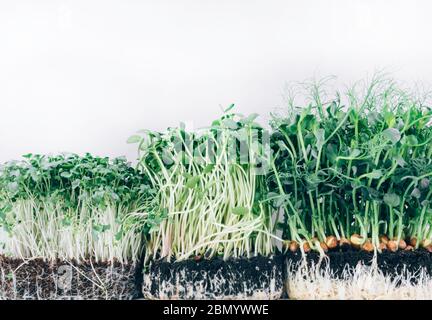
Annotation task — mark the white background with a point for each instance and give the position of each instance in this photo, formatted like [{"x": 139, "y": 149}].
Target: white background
[{"x": 85, "y": 75}]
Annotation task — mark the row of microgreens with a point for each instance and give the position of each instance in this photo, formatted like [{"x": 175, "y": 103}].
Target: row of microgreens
[
  {"x": 71, "y": 207},
  {"x": 347, "y": 169},
  {"x": 356, "y": 171},
  {"x": 211, "y": 190}
]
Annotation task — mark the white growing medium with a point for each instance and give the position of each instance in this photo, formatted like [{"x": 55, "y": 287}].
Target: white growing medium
[{"x": 359, "y": 283}]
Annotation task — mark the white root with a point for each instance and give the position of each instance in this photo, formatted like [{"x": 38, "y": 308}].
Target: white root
[{"x": 357, "y": 283}]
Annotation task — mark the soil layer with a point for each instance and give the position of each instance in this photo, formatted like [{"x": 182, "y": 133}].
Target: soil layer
[
  {"x": 37, "y": 279},
  {"x": 390, "y": 263},
  {"x": 257, "y": 278}
]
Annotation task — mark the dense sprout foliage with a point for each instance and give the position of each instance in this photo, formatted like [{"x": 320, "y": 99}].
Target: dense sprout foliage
[
  {"x": 73, "y": 207},
  {"x": 211, "y": 187},
  {"x": 356, "y": 172},
  {"x": 350, "y": 170}
]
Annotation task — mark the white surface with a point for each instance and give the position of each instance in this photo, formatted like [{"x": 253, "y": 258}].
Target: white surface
[{"x": 84, "y": 75}]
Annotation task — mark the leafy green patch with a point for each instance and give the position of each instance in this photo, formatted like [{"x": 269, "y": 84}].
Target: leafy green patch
[
  {"x": 74, "y": 207},
  {"x": 355, "y": 167}
]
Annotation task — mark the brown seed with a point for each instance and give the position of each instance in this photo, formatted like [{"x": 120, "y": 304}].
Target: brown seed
[
  {"x": 383, "y": 238},
  {"x": 323, "y": 246},
  {"x": 382, "y": 246},
  {"x": 413, "y": 242},
  {"x": 426, "y": 243},
  {"x": 392, "y": 246},
  {"x": 197, "y": 258},
  {"x": 357, "y": 241},
  {"x": 344, "y": 241},
  {"x": 344, "y": 244},
  {"x": 409, "y": 248},
  {"x": 293, "y": 246},
  {"x": 306, "y": 247},
  {"x": 331, "y": 242},
  {"x": 402, "y": 244},
  {"x": 367, "y": 246}
]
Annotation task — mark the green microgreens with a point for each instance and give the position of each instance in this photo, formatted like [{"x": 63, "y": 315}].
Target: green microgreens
[
  {"x": 73, "y": 207},
  {"x": 361, "y": 168},
  {"x": 211, "y": 189}
]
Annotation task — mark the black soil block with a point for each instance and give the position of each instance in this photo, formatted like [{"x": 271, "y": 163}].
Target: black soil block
[
  {"x": 256, "y": 278},
  {"x": 37, "y": 279},
  {"x": 390, "y": 263}
]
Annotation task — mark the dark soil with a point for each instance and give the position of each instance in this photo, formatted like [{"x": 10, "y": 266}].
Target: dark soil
[
  {"x": 215, "y": 278},
  {"x": 38, "y": 279},
  {"x": 257, "y": 277},
  {"x": 390, "y": 263}
]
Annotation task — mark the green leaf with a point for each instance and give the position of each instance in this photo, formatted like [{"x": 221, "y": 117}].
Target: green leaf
[
  {"x": 119, "y": 235},
  {"x": 76, "y": 184},
  {"x": 167, "y": 158},
  {"x": 392, "y": 199},
  {"x": 101, "y": 227},
  {"x": 154, "y": 228},
  {"x": 95, "y": 234},
  {"x": 424, "y": 183},
  {"x": 281, "y": 145},
  {"x": 240, "y": 211},
  {"x": 389, "y": 118},
  {"x": 320, "y": 138},
  {"x": 134, "y": 139},
  {"x": 12, "y": 187},
  {"x": 354, "y": 153},
  {"x": 250, "y": 118},
  {"x": 375, "y": 174},
  {"x": 187, "y": 175},
  {"x": 230, "y": 124},
  {"x": 416, "y": 193},
  {"x": 192, "y": 182},
  {"x": 392, "y": 134},
  {"x": 229, "y": 108},
  {"x": 66, "y": 174},
  {"x": 279, "y": 201},
  {"x": 331, "y": 153},
  {"x": 400, "y": 161},
  {"x": 209, "y": 168},
  {"x": 309, "y": 120},
  {"x": 66, "y": 222},
  {"x": 411, "y": 140},
  {"x": 216, "y": 124}
]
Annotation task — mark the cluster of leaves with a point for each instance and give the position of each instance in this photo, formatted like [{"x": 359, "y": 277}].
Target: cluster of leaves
[
  {"x": 358, "y": 168},
  {"x": 361, "y": 165},
  {"x": 195, "y": 172},
  {"x": 73, "y": 178},
  {"x": 70, "y": 192}
]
